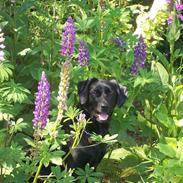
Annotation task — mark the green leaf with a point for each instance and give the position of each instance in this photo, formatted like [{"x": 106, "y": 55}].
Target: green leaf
[
  {"x": 25, "y": 6},
  {"x": 161, "y": 71},
  {"x": 19, "y": 125},
  {"x": 88, "y": 174},
  {"x": 30, "y": 142},
  {"x": 162, "y": 58},
  {"x": 6, "y": 111},
  {"x": 167, "y": 150},
  {"x": 56, "y": 157},
  {"x": 13, "y": 92},
  {"x": 119, "y": 154},
  {"x": 5, "y": 71},
  {"x": 163, "y": 117},
  {"x": 144, "y": 78},
  {"x": 147, "y": 127}
]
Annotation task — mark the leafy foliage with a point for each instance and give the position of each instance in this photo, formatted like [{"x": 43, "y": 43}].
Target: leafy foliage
[{"x": 146, "y": 135}]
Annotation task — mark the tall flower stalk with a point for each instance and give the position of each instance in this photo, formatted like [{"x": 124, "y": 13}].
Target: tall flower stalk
[
  {"x": 41, "y": 111},
  {"x": 63, "y": 89},
  {"x": 67, "y": 50},
  {"x": 42, "y": 103},
  {"x": 139, "y": 56},
  {"x": 2, "y": 46}
]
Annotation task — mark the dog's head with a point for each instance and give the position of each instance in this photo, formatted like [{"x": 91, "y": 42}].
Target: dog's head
[{"x": 99, "y": 97}]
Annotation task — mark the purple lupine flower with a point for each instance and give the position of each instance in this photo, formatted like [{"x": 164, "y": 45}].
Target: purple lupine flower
[
  {"x": 179, "y": 6},
  {"x": 120, "y": 43},
  {"x": 42, "y": 103},
  {"x": 181, "y": 17},
  {"x": 170, "y": 20},
  {"x": 83, "y": 54},
  {"x": 139, "y": 56},
  {"x": 68, "y": 39},
  {"x": 2, "y": 46}
]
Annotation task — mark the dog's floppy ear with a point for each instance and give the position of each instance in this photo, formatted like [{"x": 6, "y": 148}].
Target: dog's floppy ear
[
  {"x": 121, "y": 93},
  {"x": 83, "y": 87}
]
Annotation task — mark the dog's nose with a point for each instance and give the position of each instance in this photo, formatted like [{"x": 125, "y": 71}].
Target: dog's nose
[{"x": 104, "y": 107}]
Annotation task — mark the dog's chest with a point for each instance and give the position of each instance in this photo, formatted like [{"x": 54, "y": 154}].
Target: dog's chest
[{"x": 88, "y": 152}]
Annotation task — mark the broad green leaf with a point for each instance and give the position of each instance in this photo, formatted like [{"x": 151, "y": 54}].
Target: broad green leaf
[
  {"x": 162, "y": 72},
  {"x": 161, "y": 57},
  {"x": 163, "y": 117},
  {"x": 119, "y": 154},
  {"x": 56, "y": 157},
  {"x": 167, "y": 150},
  {"x": 5, "y": 71},
  {"x": 30, "y": 142}
]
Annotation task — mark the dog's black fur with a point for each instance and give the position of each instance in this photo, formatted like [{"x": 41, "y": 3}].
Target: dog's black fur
[{"x": 97, "y": 100}]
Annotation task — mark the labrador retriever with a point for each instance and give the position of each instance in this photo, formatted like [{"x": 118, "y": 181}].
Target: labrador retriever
[{"x": 97, "y": 100}]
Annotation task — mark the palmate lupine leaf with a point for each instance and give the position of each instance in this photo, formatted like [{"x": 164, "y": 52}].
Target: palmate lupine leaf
[
  {"x": 18, "y": 126},
  {"x": 5, "y": 71},
  {"x": 14, "y": 92},
  {"x": 61, "y": 176},
  {"x": 88, "y": 174},
  {"x": 5, "y": 111}
]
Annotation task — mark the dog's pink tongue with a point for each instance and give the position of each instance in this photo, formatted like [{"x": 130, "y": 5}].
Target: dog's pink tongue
[{"x": 103, "y": 116}]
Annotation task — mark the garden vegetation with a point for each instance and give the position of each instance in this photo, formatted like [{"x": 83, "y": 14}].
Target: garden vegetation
[{"x": 47, "y": 47}]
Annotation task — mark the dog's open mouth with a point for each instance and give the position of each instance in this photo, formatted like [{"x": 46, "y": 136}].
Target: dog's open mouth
[{"x": 102, "y": 117}]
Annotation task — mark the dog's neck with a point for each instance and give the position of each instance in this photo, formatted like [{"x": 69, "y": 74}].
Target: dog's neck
[{"x": 94, "y": 126}]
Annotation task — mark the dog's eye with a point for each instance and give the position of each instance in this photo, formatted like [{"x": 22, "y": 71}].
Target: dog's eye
[
  {"x": 108, "y": 91},
  {"x": 96, "y": 93}
]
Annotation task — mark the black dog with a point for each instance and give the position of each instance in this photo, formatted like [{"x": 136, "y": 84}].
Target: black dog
[{"x": 97, "y": 100}]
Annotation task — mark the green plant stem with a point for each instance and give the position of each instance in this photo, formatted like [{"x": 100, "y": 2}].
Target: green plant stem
[
  {"x": 77, "y": 139},
  {"x": 71, "y": 149},
  {"x": 48, "y": 177},
  {"x": 38, "y": 171},
  {"x": 134, "y": 95},
  {"x": 8, "y": 135},
  {"x": 1, "y": 174},
  {"x": 171, "y": 58}
]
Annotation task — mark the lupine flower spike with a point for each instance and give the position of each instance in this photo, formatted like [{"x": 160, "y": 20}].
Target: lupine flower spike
[
  {"x": 42, "y": 103},
  {"x": 83, "y": 55},
  {"x": 68, "y": 39},
  {"x": 63, "y": 88},
  {"x": 67, "y": 49},
  {"x": 2, "y": 46},
  {"x": 179, "y": 6},
  {"x": 139, "y": 56}
]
